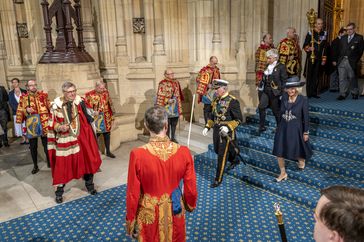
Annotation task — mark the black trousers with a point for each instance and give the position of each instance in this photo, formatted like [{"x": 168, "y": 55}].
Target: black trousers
[
  {"x": 106, "y": 141},
  {"x": 207, "y": 109},
  {"x": 172, "y": 125},
  {"x": 33, "y": 145},
  {"x": 273, "y": 103},
  {"x": 224, "y": 150},
  {"x": 89, "y": 183},
  {"x": 312, "y": 78}
]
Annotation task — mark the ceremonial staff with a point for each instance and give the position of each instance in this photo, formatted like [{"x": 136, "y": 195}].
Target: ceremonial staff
[
  {"x": 279, "y": 215},
  {"x": 311, "y": 18}
]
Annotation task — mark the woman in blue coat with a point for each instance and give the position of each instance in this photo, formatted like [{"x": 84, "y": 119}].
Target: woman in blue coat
[{"x": 291, "y": 140}]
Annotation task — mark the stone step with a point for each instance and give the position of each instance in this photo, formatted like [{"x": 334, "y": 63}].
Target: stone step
[
  {"x": 330, "y": 163},
  {"x": 330, "y": 132}
]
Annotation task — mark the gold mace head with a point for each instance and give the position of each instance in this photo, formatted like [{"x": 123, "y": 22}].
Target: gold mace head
[{"x": 311, "y": 17}]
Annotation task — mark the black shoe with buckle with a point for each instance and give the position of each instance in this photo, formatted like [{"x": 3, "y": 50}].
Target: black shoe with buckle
[
  {"x": 262, "y": 129},
  {"x": 35, "y": 170},
  {"x": 232, "y": 165},
  {"x": 340, "y": 98},
  {"x": 215, "y": 184},
  {"x": 59, "y": 199},
  {"x": 111, "y": 155},
  {"x": 93, "y": 192},
  {"x": 355, "y": 97}
]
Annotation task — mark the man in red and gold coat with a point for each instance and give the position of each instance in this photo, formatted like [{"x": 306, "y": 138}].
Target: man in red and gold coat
[
  {"x": 155, "y": 207},
  {"x": 99, "y": 100},
  {"x": 261, "y": 58},
  {"x": 72, "y": 144},
  {"x": 206, "y": 94},
  {"x": 290, "y": 53},
  {"x": 34, "y": 105},
  {"x": 170, "y": 96}
]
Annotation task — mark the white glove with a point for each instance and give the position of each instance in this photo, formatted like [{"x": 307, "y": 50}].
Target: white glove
[
  {"x": 224, "y": 129},
  {"x": 204, "y": 131}
]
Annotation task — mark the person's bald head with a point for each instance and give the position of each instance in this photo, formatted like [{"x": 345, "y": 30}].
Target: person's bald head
[
  {"x": 213, "y": 61},
  {"x": 169, "y": 74}
]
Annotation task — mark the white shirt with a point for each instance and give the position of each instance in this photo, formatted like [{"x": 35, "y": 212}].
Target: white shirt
[{"x": 270, "y": 68}]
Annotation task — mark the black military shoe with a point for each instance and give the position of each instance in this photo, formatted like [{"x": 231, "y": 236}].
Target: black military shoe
[
  {"x": 6, "y": 144},
  {"x": 35, "y": 170},
  {"x": 93, "y": 192},
  {"x": 111, "y": 155},
  {"x": 262, "y": 129},
  {"x": 340, "y": 98},
  {"x": 215, "y": 184},
  {"x": 232, "y": 165},
  {"x": 59, "y": 199},
  {"x": 355, "y": 96}
]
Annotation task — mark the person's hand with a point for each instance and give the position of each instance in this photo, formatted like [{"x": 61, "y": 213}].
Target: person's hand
[
  {"x": 311, "y": 48},
  {"x": 204, "y": 131},
  {"x": 323, "y": 63},
  {"x": 96, "y": 113},
  {"x": 224, "y": 129},
  {"x": 170, "y": 101},
  {"x": 334, "y": 63},
  {"x": 209, "y": 86},
  {"x": 29, "y": 110},
  {"x": 305, "y": 137}
]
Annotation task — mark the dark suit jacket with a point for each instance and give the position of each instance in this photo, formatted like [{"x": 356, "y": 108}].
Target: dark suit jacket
[
  {"x": 279, "y": 77},
  {"x": 12, "y": 101},
  {"x": 4, "y": 98},
  {"x": 353, "y": 50}
]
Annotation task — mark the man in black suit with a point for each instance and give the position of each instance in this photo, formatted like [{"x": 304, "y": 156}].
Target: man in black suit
[
  {"x": 4, "y": 116},
  {"x": 271, "y": 88},
  {"x": 350, "y": 52}
]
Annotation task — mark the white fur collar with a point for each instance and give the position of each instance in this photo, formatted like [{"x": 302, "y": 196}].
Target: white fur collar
[{"x": 58, "y": 102}]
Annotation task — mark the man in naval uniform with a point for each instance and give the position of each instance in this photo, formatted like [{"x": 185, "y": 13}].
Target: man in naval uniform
[{"x": 224, "y": 119}]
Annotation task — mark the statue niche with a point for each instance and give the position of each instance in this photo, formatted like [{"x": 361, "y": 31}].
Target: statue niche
[{"x": 65, "y": 50}]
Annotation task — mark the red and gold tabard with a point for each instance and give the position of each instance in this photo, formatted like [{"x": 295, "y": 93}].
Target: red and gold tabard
[
  {"x": 101, "y": 102},
  {"x": 261, "y": 61},
  {"x": 39, "y": 103},
  {"x": 155, "y": 171},
  {"x": 170, "y": 89},
  {"x": 204, "y": 78},
  {"x": 290, "y": 56}
]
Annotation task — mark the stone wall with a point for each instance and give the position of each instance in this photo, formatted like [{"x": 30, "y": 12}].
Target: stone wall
[{"x": 179, "y": 34}]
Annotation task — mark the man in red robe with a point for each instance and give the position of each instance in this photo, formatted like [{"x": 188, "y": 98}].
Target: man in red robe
[
  {"x": 34, "y": 105},
  {"x": 155, "y": 172},
  {"x": 204, "y": 83},
  {"x": 170, "y": 96},
  {"x": 99, "y": 100},
  {"x": 72, "y": 145}
]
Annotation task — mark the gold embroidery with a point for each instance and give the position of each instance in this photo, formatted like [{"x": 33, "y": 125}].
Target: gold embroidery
[
  {"x": 161, "y": 147},
  {"x": 147, "y": 210}
]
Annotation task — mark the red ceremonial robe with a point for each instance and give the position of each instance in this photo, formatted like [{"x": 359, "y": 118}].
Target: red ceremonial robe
[
  {"x": 74, "y": 153},
  {"x": 155, "y": 170}
]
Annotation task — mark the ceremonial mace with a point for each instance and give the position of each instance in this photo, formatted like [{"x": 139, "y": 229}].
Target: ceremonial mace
[
  {"x": 311, "y": 18},
  {"x": 279, "y": 215}
]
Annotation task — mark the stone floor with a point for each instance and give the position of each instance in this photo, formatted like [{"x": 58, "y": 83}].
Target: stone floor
[{"x": 23, "y": 193}]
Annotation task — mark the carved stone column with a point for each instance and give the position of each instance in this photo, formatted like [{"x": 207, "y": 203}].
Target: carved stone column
[
  {"x": 158, "y": 42},
  {"x": 10, "y": 35},
  {"x": 89, "y": 34},
  {"x": 216, "y": 37},
  {"x": 121, "y": 46},
  {"x": 2, "y": 59},
  {"x": 159, "y": 58}
]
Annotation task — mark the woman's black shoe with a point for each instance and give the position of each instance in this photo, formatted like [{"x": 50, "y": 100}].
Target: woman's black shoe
[{"x": 35, "y": 170}]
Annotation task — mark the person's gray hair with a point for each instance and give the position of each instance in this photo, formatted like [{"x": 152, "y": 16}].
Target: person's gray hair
[
  {"x": 99, "y": 82},
  {"x": 67, "y": 85},
  {"x": 155, "y": 118},
  {"x": 272, "y": 53},
  {"x": 290, "y": 28}
]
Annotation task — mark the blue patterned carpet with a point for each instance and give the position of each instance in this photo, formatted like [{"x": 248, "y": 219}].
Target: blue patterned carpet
[
  {"x": 234, "y": 211},
  {"x": 241, "y": 209}
]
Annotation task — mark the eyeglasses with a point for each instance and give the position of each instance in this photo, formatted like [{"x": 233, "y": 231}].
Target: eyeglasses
[
  {"x": 169, "y": 73},
  {"x": 72, "y": 91},
  {"x": 349, "y": 28}
]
